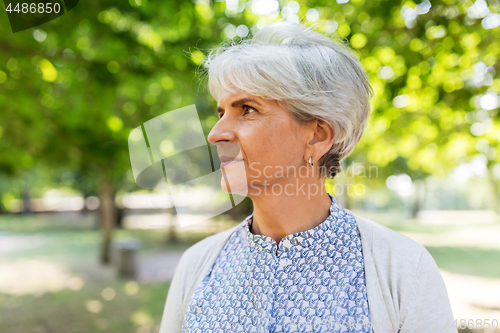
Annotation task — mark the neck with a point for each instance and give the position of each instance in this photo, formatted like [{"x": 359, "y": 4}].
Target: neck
[{"x": 277, "y": 216}]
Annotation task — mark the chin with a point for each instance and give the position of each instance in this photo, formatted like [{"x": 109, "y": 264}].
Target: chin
[{"x": 234, "y": 179}]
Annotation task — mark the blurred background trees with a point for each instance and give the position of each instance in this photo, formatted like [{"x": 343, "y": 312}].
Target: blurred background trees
[{"x": 72, "y": 89}]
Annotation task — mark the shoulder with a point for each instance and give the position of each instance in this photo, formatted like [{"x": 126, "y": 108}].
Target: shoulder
[
  {"x": 397, "y": 260},
  {"x": 210, "y": 242},
  {"x": 404, "y": 272},
  {"x": 204, "y": 252},
  {"x": 388, "y": 246},
  {"x": 194, "y": 263}
]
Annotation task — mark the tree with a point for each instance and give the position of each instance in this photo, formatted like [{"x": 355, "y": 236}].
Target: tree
[{"x": 72, "y": 89}]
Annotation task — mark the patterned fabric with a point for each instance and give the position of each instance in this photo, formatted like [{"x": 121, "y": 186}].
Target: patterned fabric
[{"x": 313, "y": 281}]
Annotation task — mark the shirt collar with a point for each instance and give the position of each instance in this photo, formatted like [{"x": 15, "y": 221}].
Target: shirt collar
[{"x": 336, "y": 223}]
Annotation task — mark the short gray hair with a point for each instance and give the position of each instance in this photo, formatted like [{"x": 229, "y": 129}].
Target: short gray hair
[{"x": 308, "y": 73}]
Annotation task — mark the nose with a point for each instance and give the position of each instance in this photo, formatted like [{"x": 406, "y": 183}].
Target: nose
[{"x": 222, "y": 132}]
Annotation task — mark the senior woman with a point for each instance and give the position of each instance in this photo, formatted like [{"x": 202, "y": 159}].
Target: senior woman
[{"x": 295, "y": 103}]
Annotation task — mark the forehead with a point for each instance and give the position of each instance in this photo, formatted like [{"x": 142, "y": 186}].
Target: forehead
[{"x": 229, "y": 96}]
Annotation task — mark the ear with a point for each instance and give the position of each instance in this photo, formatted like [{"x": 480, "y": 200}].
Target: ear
[{"x": 320, "y": 140}]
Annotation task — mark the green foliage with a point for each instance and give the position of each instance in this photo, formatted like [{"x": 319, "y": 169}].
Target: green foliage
[{"x": 72, "y": 89}]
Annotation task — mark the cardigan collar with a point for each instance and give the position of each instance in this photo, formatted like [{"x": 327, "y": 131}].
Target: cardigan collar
[
  {"x": 381, "y": 307},
  {"x": 336, "y": 224}
]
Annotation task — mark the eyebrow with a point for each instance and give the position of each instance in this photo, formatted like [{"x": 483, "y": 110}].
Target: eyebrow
[{"x": 238, "y": 103}]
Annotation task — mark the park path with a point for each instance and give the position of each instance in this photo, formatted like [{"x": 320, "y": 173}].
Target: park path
[
  {"x": 473, "y": 297},
  {"x": 10, "y": 243},
  {"x": 156, "y": 267},
  {"x": 35, "y": 274}
]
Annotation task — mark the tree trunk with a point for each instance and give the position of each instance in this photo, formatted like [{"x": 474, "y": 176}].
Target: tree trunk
[
  {"x": 2, "y": 208},
  {"x": 26, "y": 200},
  {"x": 419, "y": 197},
  {"x": 119, "y": 213},
  {"x": 173, "y": 237},
  {"x": 107, "y": 212}
]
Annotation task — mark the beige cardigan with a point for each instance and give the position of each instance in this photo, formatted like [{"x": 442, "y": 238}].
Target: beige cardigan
[{"x": 405, "y": 290}]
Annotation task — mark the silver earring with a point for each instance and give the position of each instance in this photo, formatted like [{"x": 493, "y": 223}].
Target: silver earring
[{"x": 310, "y": 162}]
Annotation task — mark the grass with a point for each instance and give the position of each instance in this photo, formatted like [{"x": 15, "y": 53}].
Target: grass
[
  {"x": 414, "y": 226},
  {"x": 463, "y": 249},
  {"x": 85, "y": 310},
  {"x": 76, "y": 246},
  {"x": 467, "y": 260}
]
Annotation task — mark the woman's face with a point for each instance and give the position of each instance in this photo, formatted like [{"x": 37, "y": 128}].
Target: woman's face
[{"x": 268, "y": 141}]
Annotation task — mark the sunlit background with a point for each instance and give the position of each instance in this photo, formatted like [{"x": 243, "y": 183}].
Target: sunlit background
[{"x": 84, "y": 249}]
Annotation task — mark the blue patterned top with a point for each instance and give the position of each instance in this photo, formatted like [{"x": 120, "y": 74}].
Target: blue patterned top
[{"x": 313, "y": 281}]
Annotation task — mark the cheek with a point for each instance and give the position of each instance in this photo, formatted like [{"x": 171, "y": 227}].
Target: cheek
[
  {"x": 272, "y": 146},
  {"x": 284, "y": 143}
]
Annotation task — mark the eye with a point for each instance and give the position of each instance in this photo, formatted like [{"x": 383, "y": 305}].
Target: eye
[{"x": 248, "y": 108}]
